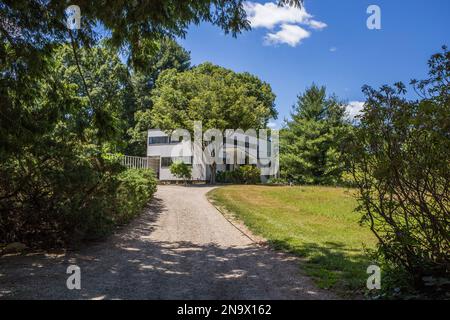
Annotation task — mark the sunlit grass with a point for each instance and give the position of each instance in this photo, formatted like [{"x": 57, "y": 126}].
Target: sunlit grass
[{"x": 316, "y": 223}]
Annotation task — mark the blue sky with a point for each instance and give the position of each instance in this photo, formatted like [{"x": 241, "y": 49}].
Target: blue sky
[{"x": 328, "y": 44}]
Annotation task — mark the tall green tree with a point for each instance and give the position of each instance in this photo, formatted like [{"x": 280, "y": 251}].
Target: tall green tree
[
  {"x": 310, "y": 142},
  {"x": 168, "y": 55},
  {"x": 219, "y": 97},
  {"x": 53, "y": 130},
  {"x": 30, "y": 29},
  {"x": 100, "y": 89},
  {"x": 161, "y": 55}
]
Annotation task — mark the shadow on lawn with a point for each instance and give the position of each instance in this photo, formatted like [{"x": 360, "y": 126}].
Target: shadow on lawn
[{"x": 331, "y": 264}]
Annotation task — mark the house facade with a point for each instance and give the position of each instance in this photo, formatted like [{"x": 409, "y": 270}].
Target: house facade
[{"x": 162, "y": 152}]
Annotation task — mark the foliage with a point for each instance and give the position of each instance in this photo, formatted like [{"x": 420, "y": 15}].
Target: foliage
[
  {"x": 245, "y": 174},
  {"x": 135, "y": 189},
  {"x": 181, "y": 170},
  {"x": 277, "y": 181},
  {"x": 57, "y": 199},
  {"x": 249, "y": 174},
  {"x": 218, "y": 97},
  {"x": 61, "y": 107},
  {"x": 226, "y": 177},
  {"x": 314, "y": 222},
  {"x": 34, "y": 25},
  {"x": 168, "y": 55},
  {"x": 310, "y": 145},
  {"x": 100, "y": 92},
  {"x": 400, "y": 162},
  {"x": 56, "y": 187}
]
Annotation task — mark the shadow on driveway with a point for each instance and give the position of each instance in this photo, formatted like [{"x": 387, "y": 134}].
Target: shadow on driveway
[{"x": 133, "y": 265}]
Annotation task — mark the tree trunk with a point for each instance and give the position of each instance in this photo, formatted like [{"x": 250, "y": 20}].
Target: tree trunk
[{"x": 212, "y": 178}]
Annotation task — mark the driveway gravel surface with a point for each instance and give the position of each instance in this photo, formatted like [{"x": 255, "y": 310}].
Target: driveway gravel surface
[{"x": 181, "y": 247}]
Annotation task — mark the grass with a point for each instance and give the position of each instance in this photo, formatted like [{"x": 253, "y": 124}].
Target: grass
[{"x": 316, "y": 223}]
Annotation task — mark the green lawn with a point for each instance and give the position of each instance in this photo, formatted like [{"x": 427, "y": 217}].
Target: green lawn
[{"x": 316, "y": 223}]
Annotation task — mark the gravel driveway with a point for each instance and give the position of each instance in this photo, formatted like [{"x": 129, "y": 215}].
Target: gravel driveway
[{"x": 180, "y": 248}]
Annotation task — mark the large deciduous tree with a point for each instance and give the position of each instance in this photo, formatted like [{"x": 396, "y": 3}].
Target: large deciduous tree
[
  {"x": 30, "y": 29},
  {"x": 168, "y": 55},
  {"x": 101, "y": 89},
  {"x": 218, "y": 97},
  {"x": 59, "y": 114}
]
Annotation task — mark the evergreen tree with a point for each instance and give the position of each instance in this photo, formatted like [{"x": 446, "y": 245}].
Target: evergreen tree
[{"x": 310, "y": 142}]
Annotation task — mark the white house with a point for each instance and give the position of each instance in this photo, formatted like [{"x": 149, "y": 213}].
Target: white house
[{"x": 162, "y": 152}]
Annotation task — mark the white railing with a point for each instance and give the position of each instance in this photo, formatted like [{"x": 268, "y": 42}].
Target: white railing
[{"x": 134, "y": 162}]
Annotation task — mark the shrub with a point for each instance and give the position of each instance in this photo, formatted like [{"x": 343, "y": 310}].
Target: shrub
[
  {"x": 181, "y": 170},
  {"x": 246, "y": 174},
  {"x": 135, "y": 189},
  {"x": 400, "y": 161},
  {"x": 69, "y": 195},
  {"x": 224, "y": 177},
  {"x": 277, "y": 181},
  {"x": 249, "y": 174}
]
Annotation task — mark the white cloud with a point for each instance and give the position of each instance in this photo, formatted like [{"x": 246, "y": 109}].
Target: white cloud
[
  {"x": 270, "y": 14},
  {"x": 290, "y": 34},
  {"x": 318, "y": 25},
  {"x": 333, "y": 49},
  {"x": 288, "y": 18},
  {"x": 354, "y": 108}
]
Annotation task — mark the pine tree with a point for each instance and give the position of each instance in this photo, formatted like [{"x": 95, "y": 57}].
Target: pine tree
[{"x": 310, "y": 142}]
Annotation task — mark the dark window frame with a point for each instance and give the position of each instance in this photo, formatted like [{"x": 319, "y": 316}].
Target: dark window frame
[
  {"x": 167, "y": 161},
  {"x": 158, "y": 140}
]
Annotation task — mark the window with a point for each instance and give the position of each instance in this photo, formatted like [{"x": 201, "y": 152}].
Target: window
[
  {"x": 176, "y": 141},
  {"x": 187, "y": 160},
  {"x": 163, "y": 140},
  {"x": 158, "y": 140},
  {"x": 167, "y": 161}
]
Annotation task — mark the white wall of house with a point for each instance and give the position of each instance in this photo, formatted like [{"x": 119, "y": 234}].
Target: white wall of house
[
  {"x": 172, "y": 150},
  {"x": 160, "y": 146}
]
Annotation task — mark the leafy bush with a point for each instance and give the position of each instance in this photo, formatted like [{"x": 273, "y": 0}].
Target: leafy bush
[
  {"x": 181, "y": 170},
  {"x": 67, "y": 199},
  {"x": 277, "y": 181},
  {"x": 246, "y": 174},
  {"x": 249, "y": 174},
  {"x": 135, "y": 189},
  {"x": 56, "y": 185},
  {"x": 224, "y": 177},
  {"x": 400, "y": 161}
]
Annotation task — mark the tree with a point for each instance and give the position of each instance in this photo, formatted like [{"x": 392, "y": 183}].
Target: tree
[
  {"x": 181, "y": 170},
  {"x": 54, "y": 130},
  {"x": 169, "y": 55},
  {"x": 29, "y": 30},
  {"x": 99, "y": 116},
  {"x": 400, "y": 162},
  {"x": 61, "y": 186},
  {"x": 310, "y": 144},
  {"x": 220, "y": 98},
  {"x": 163, "y": 54}
]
